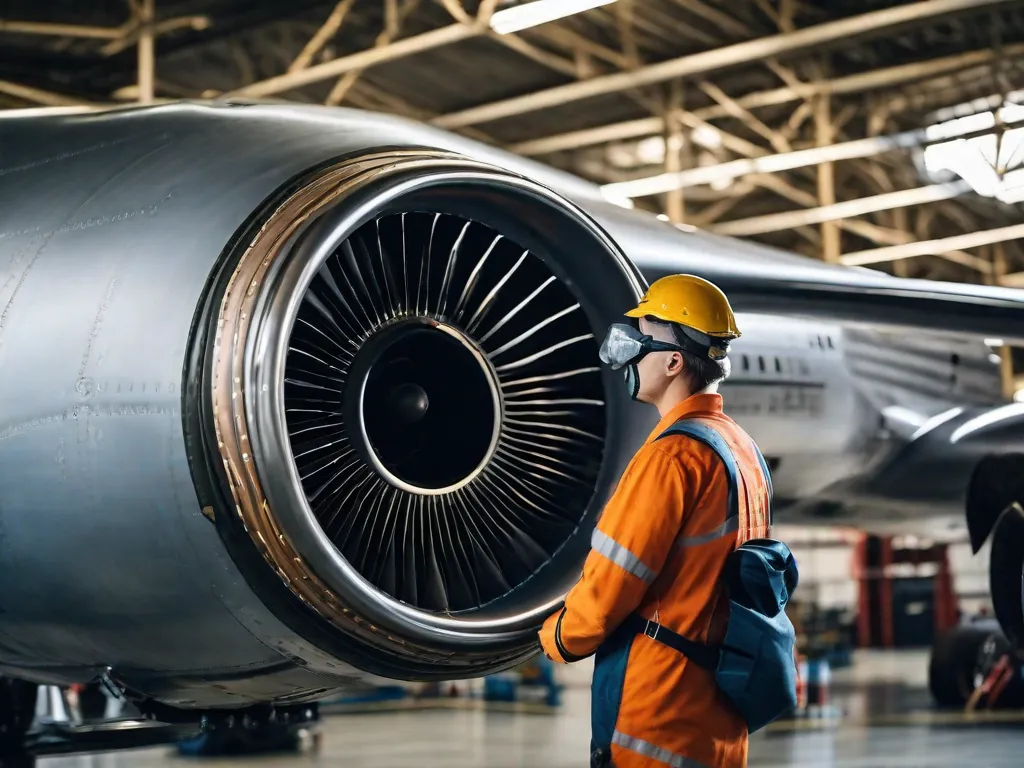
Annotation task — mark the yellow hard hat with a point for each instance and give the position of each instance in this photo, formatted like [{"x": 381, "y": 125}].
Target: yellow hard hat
[{"x": 691, "y": 301}]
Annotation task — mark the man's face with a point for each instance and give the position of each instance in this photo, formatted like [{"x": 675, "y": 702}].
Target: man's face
[{"x": 657, "y": 369}]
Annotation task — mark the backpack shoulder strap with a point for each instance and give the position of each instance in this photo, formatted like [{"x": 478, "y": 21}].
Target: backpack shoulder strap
[
  {"x": 767, "y": 478},
  {"x": 705, "y": 432},
  {"x": 764, "y": 470}
]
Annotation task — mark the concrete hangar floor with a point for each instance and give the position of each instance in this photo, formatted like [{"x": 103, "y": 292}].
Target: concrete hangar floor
[{"x": 879, "y": 715}]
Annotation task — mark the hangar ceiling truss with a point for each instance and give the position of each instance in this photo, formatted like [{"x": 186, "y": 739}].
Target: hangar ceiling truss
[{"x": 806, "y": 125}]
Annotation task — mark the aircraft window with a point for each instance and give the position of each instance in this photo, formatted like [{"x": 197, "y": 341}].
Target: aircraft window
[
  {"x": 829, "y": 339},
  {"x": 760, "y": 363},
  {"x": 778, "y": 365},
  {"x": 821, "y": 344},
  {"x": 746, "y": 363}
]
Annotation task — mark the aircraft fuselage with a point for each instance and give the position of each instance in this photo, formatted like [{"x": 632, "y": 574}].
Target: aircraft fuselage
[{"x": 841, "y": 414}]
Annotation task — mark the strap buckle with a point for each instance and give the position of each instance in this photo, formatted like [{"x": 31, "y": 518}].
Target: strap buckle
[{"x": 651, "y": 629}]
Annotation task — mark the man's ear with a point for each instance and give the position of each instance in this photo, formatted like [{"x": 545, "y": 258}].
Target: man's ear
[{"x": 676, "y": 365}]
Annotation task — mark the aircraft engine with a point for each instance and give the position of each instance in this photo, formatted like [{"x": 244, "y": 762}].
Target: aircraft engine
[{"x": 290, "y": 399}]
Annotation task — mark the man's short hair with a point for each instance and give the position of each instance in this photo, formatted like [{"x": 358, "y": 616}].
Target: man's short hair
[{"x": 703, "y": 371}]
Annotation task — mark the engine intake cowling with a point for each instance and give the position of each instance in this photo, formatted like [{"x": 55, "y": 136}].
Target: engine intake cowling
[
  {"x": 371, "y": 364},
  {"x": 407, "y": 395}
]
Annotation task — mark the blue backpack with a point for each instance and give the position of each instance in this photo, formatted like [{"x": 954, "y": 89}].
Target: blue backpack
[{"x": 754, "y": 666}]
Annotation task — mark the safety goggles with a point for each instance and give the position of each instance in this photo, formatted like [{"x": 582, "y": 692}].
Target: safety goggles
[{"x": 625, "y": 344}]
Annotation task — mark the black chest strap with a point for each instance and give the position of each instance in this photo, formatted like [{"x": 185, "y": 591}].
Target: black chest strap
[{"x": 703, "y": 655}]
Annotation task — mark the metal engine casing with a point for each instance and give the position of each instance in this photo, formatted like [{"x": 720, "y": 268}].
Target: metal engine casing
[{"x": 122, "y": 235}]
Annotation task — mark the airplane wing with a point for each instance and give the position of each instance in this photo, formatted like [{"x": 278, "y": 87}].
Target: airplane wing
[{"x": 758, "y": 278}]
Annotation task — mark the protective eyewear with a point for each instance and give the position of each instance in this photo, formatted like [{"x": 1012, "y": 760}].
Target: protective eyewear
[{"x": 625, "y": 344}]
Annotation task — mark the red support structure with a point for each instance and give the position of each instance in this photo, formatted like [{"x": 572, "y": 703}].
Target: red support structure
[
  {"x": 885, "y": 591},
  {"x": 946, "y": 608},
  {"x": 873, "y": 566},
  {"x": 864, "y": 601},
  {"x": 873, "y": 629}
]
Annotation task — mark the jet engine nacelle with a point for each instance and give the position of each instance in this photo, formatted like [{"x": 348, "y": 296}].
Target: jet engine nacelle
[{"x": 288, "y": 400}]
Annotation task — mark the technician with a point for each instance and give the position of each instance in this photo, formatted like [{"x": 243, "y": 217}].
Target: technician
[{"x": 661, "y": 543}]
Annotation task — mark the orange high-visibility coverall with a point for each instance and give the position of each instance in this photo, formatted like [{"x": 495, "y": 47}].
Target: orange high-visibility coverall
[{"x": 659, "y": 549}]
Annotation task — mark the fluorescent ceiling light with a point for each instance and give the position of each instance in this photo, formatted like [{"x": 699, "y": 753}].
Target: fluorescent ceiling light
[
  {"x": 651, "y": 150},
  {"x": 539, "y": 12},
  {"x": 1011, "y": 196},
  {"x": 991, "y": 164},
  {"x": 706, "y": 136},
  {"x": 46, "y": 111}
]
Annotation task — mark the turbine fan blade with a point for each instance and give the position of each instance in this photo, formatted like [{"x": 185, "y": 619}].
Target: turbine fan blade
[{"x": 456, "y": 542}]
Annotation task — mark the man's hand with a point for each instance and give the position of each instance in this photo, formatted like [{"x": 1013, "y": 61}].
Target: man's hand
[
  {"x": 547, "y": 639},
  {"x": 631, "y": 543}
]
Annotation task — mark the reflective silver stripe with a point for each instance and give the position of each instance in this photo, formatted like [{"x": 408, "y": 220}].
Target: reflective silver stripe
[
  {"x": 729, "y": 526},
  {"x": 647, "y": 749},
  {"x": 605, "y": 545}
]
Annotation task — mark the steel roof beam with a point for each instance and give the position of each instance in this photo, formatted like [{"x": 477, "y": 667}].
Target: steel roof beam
[
  {"x": 713, "y": 60},
  {"x": 774, "y": 222},
  {"x": 934, "y": 247},
  {"x": 864, "y": 81},
  {"x": 787, "y": 161}
]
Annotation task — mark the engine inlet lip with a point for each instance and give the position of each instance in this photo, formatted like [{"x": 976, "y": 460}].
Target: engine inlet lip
[
  {"x": 265, "y": 365},
  {"x": 360, "y": 377}
]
